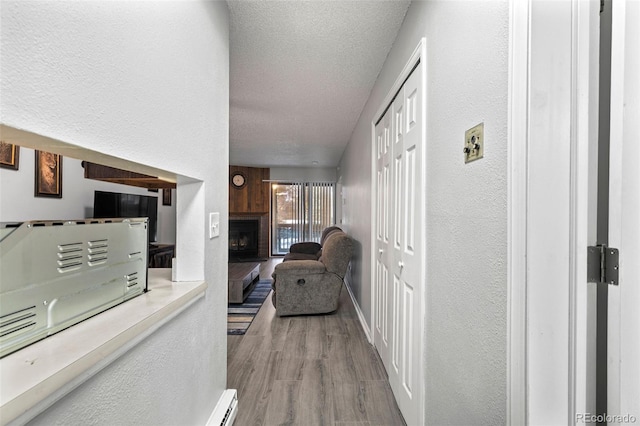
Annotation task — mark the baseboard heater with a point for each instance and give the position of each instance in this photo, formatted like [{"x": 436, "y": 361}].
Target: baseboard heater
[
  {"x": 226, "y": 410},
  {"x": 54, "y": 274}
]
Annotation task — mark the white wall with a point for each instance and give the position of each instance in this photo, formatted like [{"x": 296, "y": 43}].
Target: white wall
[
  {"x": 465, "y": 328},
  {"x": 147, "y": 82},
  {"x": 19, "y": 204}
]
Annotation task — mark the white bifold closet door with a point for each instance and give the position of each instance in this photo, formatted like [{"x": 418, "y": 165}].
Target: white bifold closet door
[{"x": 398, "y": 288}]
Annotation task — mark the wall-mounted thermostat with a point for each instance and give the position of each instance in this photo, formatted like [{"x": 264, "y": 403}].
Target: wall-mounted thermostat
[{"x": 474, "y": 143}]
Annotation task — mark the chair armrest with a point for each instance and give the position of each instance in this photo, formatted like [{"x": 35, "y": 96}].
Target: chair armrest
[
  {"x": 306, "y": 247},
  {"x": 305, "y": 287},
  {"x": 299, "y": 267}
]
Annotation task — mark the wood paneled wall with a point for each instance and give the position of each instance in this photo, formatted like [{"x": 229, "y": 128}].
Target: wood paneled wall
[
  {"x": 125, "y": 177},
  {"x": 253, "y": 197}
]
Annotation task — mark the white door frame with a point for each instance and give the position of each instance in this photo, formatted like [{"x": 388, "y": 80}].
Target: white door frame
[
  {"x": 550, "y": 93},
  {"x": 418, "y": 55},
  {"x": 623, "y": 352}
]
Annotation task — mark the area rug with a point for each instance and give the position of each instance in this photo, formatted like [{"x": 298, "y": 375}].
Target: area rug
[{"x": 241, "y": 315}]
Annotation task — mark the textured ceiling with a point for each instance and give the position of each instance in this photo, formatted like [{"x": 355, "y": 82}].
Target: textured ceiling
[{"x": 300, "y": 74}]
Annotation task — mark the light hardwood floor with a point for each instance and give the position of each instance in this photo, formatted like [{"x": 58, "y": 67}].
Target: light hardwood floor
[{"x": 308, "y": 370}]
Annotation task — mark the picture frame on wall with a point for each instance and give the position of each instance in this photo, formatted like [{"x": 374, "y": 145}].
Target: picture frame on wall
[
  {"x": 166, "y": 197},
  {"x": 9, "y": 155},
  {"x": 48, "y": 179}
]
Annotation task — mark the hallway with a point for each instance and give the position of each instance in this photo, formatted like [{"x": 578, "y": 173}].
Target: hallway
[{"x": 308, "y": 370}]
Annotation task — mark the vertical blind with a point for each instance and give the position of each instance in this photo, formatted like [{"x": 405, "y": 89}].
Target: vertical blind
[{"x": 300, "y": 211}]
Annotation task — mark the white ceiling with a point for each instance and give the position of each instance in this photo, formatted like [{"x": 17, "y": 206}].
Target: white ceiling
[{"x": 300, "y": 74}]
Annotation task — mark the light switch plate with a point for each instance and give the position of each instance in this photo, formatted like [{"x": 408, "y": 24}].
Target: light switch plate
[
  {"x": 474, "y": 143},
  {"x": 214, "y": 225}
]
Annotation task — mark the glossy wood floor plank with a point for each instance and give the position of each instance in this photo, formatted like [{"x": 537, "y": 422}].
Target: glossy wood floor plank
[
  {"x": 348, "y": 397},
  {"x": 379, "y": 403},
  {"x": 315, "y": 399},
  {"x": 342, "y": 365},
  {"x": 282, "y": 408},
  {"x": 289, "y": 367},
  {"x": 308, "y": 370}
]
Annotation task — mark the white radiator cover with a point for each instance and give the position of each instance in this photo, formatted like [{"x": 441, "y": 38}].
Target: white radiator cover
[{"x": 226, "y": 410}]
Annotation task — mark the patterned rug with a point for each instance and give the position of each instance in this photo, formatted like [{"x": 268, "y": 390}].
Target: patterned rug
[{"x": 241, "y": 315}]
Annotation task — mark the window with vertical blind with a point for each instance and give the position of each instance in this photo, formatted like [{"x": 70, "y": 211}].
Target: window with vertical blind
[{"x": 299, "y": 212}]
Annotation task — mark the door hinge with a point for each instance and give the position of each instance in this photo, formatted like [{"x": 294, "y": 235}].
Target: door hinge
[{"x": 602, "y": 264}]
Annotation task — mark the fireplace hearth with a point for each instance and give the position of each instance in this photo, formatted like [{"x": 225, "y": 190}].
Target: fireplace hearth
[
  {"x": 243, "y": 255},
  {"x": 243, "y": 239}
]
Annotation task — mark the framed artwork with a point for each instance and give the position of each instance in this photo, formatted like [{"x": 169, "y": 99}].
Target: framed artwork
[
  {"x": 166, "y": 197},
  {"x": 9, "y": 155},
  {"x": 48, "y": 182}
]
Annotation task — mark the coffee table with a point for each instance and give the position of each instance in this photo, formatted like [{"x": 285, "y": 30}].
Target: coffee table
[{"x": 242, "y": 279}]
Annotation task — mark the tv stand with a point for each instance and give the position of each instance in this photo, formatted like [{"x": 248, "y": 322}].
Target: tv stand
[{"x": 160, "y": 255}]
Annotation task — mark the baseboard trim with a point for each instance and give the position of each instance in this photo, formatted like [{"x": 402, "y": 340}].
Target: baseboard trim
[
  {"x": 363, "y": 322},
  {"x": 226, "y": 409}
]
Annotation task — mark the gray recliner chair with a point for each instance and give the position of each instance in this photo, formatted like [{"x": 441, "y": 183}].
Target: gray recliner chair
[
  {"x": 313, "y": 286},
  {"x": 310, "y": 250}
]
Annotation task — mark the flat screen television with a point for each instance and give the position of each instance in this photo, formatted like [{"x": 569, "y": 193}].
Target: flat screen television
[{"x": 116, "y": 204}]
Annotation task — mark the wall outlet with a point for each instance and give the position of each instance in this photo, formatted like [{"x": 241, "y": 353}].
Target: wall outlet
[
  {"x": 214, "y": 225},
  {"x": 474, "y": 143}
]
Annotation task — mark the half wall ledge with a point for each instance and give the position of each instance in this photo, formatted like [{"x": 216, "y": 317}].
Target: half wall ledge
[{"x": 34, "y": 378}]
